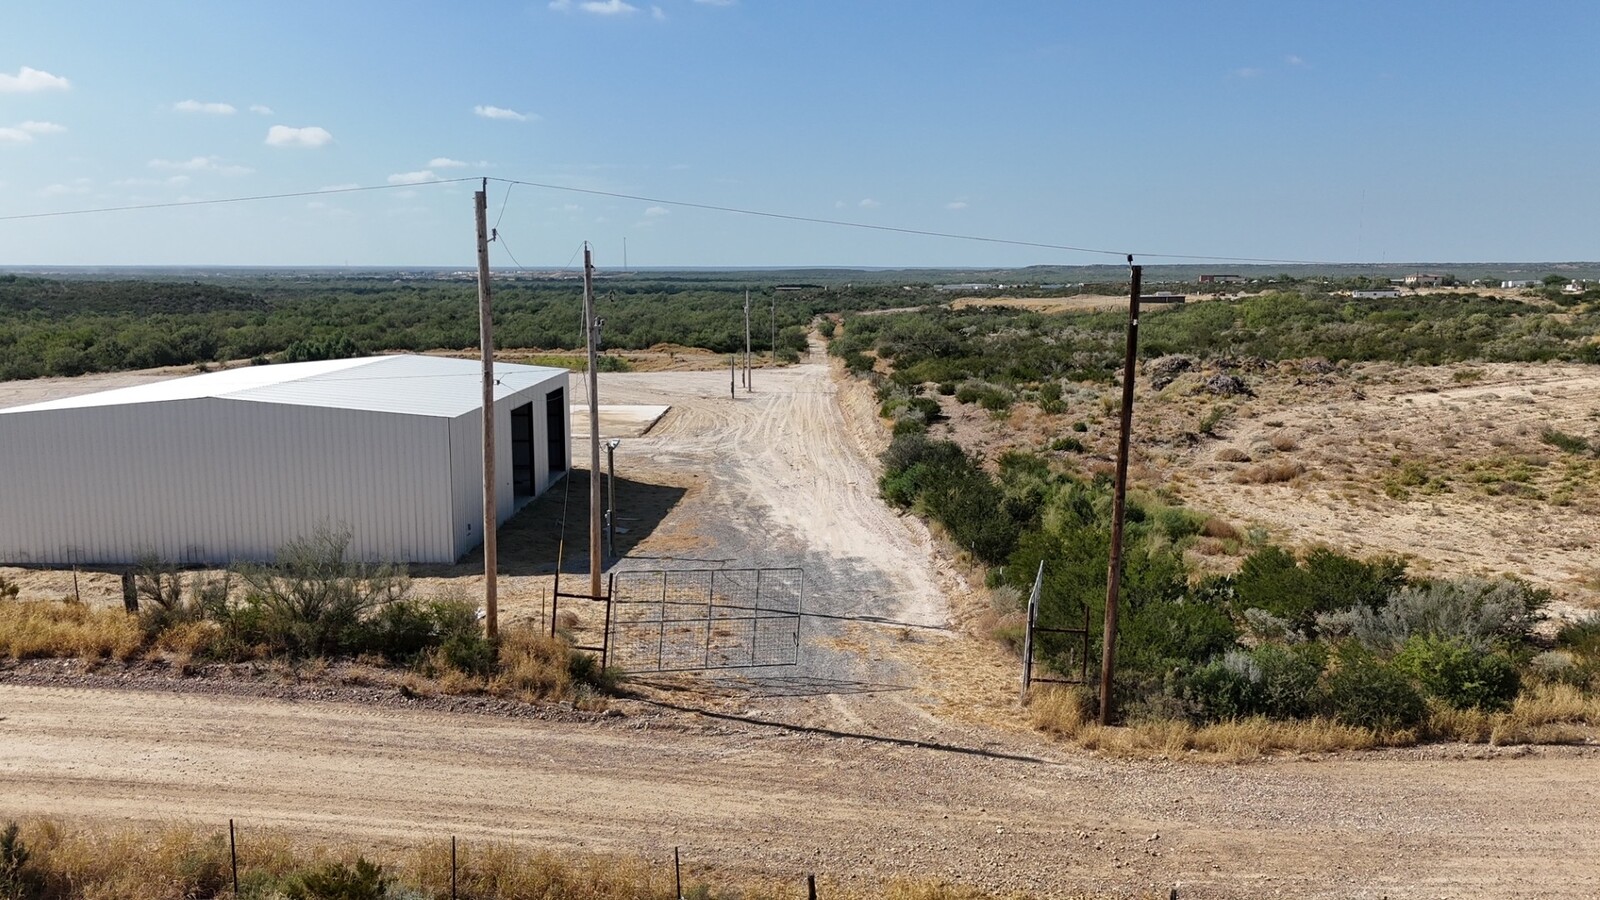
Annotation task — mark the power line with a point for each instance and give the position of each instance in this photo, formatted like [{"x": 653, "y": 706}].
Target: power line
[
  {"x": 841, "y": 223},
  {"x": 686, "y": 204},
  {"x": 222, "y": 200}
]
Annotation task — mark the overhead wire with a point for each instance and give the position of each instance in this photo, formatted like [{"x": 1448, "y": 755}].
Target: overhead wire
[
  {"x": 686, "y": 204},
  {"x": 223, "y": 200}
]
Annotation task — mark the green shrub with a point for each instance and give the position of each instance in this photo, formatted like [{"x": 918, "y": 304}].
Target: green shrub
[
  {"x": 1161, "y": 635},
  {"x": 18, "y": 881},
  {"x": 1325, "y": 581},
  {"x": 1478, "y": 613},
  {"x": 338, "y": 881},
  {"x": 1459, "y": 675},
  {"x": 1367, "y": 693},
  {"x": 825, "y": 327},
  {"x": 403, "y": 630},
  {"x": 8, "y": 591},
  {"x": 1067, "y": 444},
  {"x": 1270, "y": 680},
  {"x": 313, "y": 600}
]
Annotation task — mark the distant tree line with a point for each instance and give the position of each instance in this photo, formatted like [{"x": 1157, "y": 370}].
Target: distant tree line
[{"x": 75, "y": 326}]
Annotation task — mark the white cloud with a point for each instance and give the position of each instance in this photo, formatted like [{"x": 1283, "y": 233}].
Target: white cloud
[
  {"x": 310, "y": 136},
  {"x": 1247, "y": 72},
  {"x": 200, "y": 164},
  {"x": 716, "y": 2},
  {"x": 654, "y": 211},
  {"x": 213, "y": 109},
  {"x": 598, "y": 7},
  {"x": 171, "y": 181},
  {"x": 260, "y": 110},
  {"x": 1293, "y": 60},
  {"x": 27, "y": 80},
  {"x": 78, "y": 186},
  {"x": 27, "y": 131},
  {"x": 500, "y": 112},
  {"x": 956, "y": 204},
  {"x": 347, "y": 186},
  {"x": 869, "y": 203},
  {"x": 657, "y": 13},
  {"x": 413, "y": 177},
  {"x": 445, "y": 162}
]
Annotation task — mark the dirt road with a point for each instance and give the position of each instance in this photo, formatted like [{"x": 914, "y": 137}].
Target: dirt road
[{"x": 1013, "y": 814}]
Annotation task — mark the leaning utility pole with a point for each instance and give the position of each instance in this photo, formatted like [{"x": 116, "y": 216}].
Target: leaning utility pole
[
  {"x": 747, "y": 342},
  {"x": 486, "y": 341},
  {"x": 1108, "y": 643},
  {"x": 596, "y": 562}
]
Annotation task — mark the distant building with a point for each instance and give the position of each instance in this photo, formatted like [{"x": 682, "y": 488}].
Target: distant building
[
  {"x": 232, "y": 465},
  {"x": 1162, "y": 297},
  {"x": 1573, "y": 287},
  {"x": 1375, "y": 295},
  {"x": 1423, "y": 280},
  {"x": 1522, "y": 283},
  {"x": 1222, "y": 279}
]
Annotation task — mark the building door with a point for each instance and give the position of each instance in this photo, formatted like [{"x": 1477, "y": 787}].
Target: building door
[
  {"x": 555, "y": 429},
  {"x": 522, "y": 450}
]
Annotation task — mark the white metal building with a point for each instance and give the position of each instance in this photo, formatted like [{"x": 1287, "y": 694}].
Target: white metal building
[{"x": 232, "y": 465}]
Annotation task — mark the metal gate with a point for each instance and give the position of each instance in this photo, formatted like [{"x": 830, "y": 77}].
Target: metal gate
[{"x": 686, "y": 620}]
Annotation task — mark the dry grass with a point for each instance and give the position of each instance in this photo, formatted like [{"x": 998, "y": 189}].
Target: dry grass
[
  {"x": 1284, "y": 442},
  {"x": 178, "y": 862},
  {"x": 536, "y": 667},
  {"x": 1220, "y": 529},
  {"x": 48, "y": 628},
  {"x": 1544, "y": 714},
  {"x": 1270, "y": 473}
]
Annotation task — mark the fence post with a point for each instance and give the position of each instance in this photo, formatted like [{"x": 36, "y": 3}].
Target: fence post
[
  {"x": 711, "y": 602},
  {"x": 605, "y": 634},
  {"x": 677, "y": 873},
  {"x": 452, "y": 867},
  {"x": 233, "y": 853},
  {"x": 1027, "y": 635},
  {"x": 811, "y": 887}
]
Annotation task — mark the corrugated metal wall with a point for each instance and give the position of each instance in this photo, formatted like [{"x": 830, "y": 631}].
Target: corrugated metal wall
[
  {"x": 466, "y": 461},
  {"x": 214, "y": 480}
]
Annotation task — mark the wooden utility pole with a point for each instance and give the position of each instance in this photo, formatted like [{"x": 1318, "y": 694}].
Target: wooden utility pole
[
  {"x": 747, "y": 385},
  {"x": 774, "y": 327},
  {"x": 486, "y": 342},
  {"x": 1108, "y": 644},
  {"x": 596, "y": 561}
]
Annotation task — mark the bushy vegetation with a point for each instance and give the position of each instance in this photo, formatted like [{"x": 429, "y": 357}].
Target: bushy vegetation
[
  {"x": 57, "y": 861},
  {"x": 994, "y": 352},
  {"x": 312, "y": 603},
  {"x": 74, "y": 326},
  {"x": 1318, "y": 636}
]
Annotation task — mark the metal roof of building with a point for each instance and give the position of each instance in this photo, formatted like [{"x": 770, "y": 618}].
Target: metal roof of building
[{"x": 410, "y": 385}]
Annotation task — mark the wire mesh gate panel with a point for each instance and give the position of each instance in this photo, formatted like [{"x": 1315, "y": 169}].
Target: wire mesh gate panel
[{"x": 694, "y": 619}]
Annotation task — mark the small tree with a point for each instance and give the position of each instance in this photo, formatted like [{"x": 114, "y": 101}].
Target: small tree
[{"x": 313, "y": 598}]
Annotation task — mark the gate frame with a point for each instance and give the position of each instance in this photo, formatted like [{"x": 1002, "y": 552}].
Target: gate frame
[{"x": 756, "y": 610}]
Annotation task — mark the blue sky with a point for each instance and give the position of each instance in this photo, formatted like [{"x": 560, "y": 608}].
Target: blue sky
[{"x": 1357, "y": 131}]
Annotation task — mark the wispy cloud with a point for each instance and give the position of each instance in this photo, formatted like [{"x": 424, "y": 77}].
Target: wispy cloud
[
  {"x": 211, "y": 109},
  {"x": 260, "y": 110},
  {"x": 1293, "y": 60},
  {"x": 27, "y": 131},
  {"x": 500, "y": 112},
  {"x": 657, "y": 13},
  {"x": 77, "y": 186},
  {"x": 1247, "y": 72},
  {"x": 27, "y": 80},
  {"x": 596, "y": 7},
  {"x": 200, "y": 164},
  {"x": 716, "y": 2},
  {"x": 869, "y": 203},
  {"x": 445, "y": 162},
  {"x": 310, "y": 136},
  {"x": 956, "y": 204},
  {"x": 656, "y": 212},
  {"x": 170, "y": 181},
  {"x": 413, "y": 177}
]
